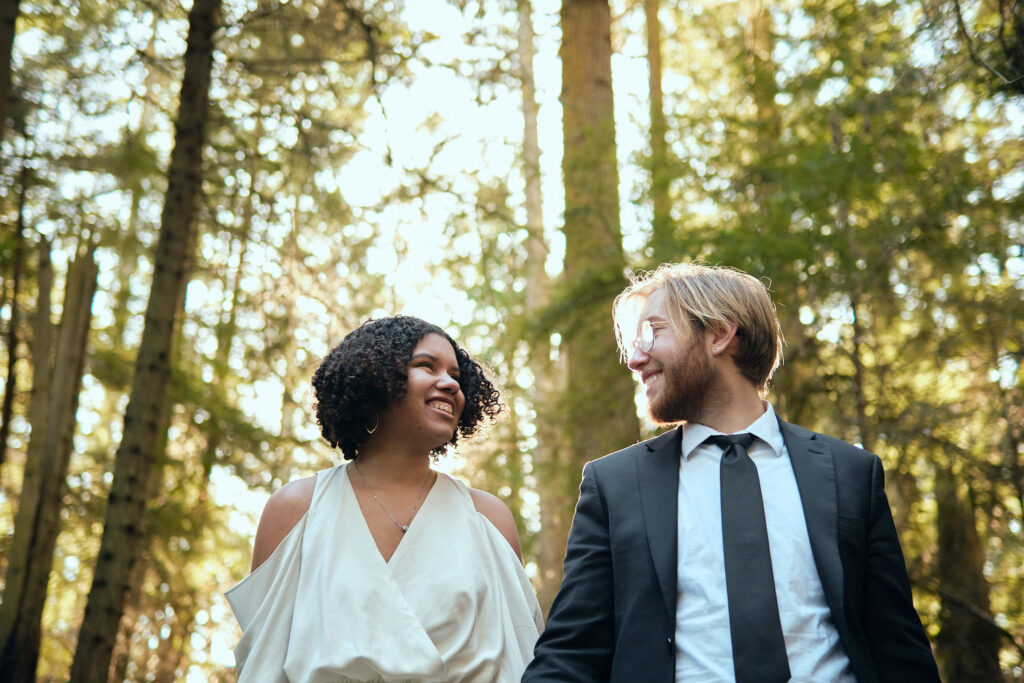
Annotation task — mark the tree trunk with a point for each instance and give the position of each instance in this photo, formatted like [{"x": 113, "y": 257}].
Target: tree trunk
[
  {"x": 967, "y": 646},
  {"x": 142, "y": 562},
  {"x": 548, "y": 382},
  {"x": 171, "y": 653},
  {"x": 121, "y": 654},
  {"x": 28, "y": 501},
  {"x": 760, "y": 42},
  {"x": 11, "y": 383},
  {"x": 126, "y": 507},
  {"x": 8, "y": 18},
  {"x": 599, "y": 410},
  {"x": 39, "y": 511},
  {"x": 662, "y": 229},
  {"x": 602, "y": 413},
  {"x": 867, "y": 440},
  {"x": 856, "y": 285}
]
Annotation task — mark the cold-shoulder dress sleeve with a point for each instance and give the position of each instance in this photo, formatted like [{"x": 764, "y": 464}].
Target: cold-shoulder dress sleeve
[{"x": 264, "y": 603}]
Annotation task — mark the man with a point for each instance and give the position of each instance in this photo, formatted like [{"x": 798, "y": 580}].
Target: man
[{"x": 766, "y": 556}]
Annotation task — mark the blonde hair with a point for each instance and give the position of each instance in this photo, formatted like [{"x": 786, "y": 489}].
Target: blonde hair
[{"x": 702, "y": 298}]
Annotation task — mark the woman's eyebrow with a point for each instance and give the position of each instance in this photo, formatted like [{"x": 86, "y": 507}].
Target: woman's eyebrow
[{"x": 431, "y": 357}]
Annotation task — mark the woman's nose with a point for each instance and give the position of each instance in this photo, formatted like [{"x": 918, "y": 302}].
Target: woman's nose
[{"x": 448, "y": 383}]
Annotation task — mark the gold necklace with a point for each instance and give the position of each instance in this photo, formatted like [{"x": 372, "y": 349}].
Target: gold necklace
[{"x": 415, "y": 507}]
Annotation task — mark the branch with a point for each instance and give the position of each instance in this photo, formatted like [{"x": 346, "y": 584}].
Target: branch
[
  {"x": 370, "y": 33},
  {"x": 962, "y": 27},
  {"x": 978, "y": 613}
]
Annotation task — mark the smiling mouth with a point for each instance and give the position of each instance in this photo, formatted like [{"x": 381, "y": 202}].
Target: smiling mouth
[
  {"x": 442, "y": 406},
  {"x": 651, "y": 379}
]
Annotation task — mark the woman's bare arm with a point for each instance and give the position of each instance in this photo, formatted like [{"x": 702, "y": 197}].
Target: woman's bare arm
[{"x": 283, "y": 511}]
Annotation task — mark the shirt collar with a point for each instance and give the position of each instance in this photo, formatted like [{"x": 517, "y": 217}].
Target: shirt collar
[{"x": 765, "y": 428}]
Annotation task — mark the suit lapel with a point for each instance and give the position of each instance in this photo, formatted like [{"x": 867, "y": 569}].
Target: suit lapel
[
  {"x": 658, "y": 478},
  {"x": 815, "y": 472},
  {"x": 657, "y": 472}
]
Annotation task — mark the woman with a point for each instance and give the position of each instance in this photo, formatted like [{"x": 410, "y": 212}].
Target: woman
[{"x": 381, "y": 569}]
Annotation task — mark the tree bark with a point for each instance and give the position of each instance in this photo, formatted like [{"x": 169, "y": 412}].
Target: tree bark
[
  {"x": 126, "y": 506},
  {"x": 11, "y": 382},
  {"x": 8, "y": 18},
  {"x": 967, "y": 646},
  {"x": 662, "y": 229},
  {"x": 39, "y": 510},
  {"x": 548, "y": 382},
  {"x": 600, "y": 391},
  {"x": 760, "y": 42},
  {"x": 28, "y": 501},
  {"x": 867, "y": 440},
  {"x": 121, "y": 654},
  {"x": 171, "y": 653},
  {"x": 598, "y": 408}
]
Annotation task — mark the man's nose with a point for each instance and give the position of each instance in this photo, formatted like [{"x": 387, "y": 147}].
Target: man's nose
[{"x": 637, "y": 360}]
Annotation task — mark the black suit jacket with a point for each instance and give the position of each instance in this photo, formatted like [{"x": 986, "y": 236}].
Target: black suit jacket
[{"x": 614, "y": 616}]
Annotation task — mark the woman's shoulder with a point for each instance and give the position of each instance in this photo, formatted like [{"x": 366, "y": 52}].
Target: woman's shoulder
[
  {"x": 283, "y": 511},
  {"x": 495, "y": 510},
  {"x": 294, "y": 495}
]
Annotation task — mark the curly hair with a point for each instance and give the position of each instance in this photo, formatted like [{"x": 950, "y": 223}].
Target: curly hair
[{"x": 366, "y": 373}]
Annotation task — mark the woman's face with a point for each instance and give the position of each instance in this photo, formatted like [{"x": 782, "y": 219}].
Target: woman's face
[{"x": 433, "y": 401}]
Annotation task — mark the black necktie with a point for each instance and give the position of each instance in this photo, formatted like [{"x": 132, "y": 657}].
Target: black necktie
[{"x": 758, "y": 648}]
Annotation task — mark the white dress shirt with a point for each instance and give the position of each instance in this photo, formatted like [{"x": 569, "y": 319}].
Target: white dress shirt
[{"x": 703, "y": 641}]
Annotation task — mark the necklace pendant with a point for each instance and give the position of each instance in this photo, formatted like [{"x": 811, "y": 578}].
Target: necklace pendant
[{"x": 403, "y": 527}]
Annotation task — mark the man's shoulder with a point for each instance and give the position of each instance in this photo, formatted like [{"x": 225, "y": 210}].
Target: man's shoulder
[
  {"x": 624, "y": 456},
  {"x": 836, "y": 445}
]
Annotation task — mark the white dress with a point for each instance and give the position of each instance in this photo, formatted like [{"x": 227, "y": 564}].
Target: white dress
[{"x": 452, "y": 604}]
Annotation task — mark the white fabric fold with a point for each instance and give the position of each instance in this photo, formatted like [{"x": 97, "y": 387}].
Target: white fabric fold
[{"x": 452, "y": 604}]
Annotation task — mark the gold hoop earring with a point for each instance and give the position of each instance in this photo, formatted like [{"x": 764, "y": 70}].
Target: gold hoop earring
[{"x": 376, "y": 423}]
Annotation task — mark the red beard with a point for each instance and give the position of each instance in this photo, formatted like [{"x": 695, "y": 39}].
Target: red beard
[{"x": 686, "y": 384}]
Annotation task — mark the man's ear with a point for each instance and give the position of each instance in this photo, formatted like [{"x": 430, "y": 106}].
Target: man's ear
[{"x": 719, "y": 341}]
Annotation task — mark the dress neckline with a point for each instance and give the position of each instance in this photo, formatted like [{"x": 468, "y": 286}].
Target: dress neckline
[{"x": 365, "y": 526}]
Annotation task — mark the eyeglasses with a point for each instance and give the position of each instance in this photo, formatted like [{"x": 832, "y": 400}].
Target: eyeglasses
[{"x": 645, "y": 341}]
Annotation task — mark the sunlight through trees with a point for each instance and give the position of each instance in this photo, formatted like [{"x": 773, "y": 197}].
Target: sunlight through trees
[{"x": 200, "y": 200}]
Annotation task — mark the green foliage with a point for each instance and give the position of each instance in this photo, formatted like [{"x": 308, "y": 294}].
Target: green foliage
[{"x": 882, "y": 199}]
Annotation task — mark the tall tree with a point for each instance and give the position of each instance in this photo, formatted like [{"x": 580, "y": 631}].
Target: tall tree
[
  {"x": 8, "y": 18},
  {"x": 969, "y": 642},
  {"x": 662, "y": 226},
  {"x": 14, "y": 321},
  {"x": 38, "y": 519},
  {"x": 21, "y": 545},
  {"x": 548, "y": 381},
  {"x": 598, "y": 405},
  {"x": 126, "y": 504}
]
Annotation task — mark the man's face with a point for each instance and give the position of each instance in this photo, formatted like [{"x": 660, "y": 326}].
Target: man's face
[{"x": 678, "y": 373}]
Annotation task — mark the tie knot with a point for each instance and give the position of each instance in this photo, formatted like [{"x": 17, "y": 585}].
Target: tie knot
[{"x": 726, "y": 441}]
